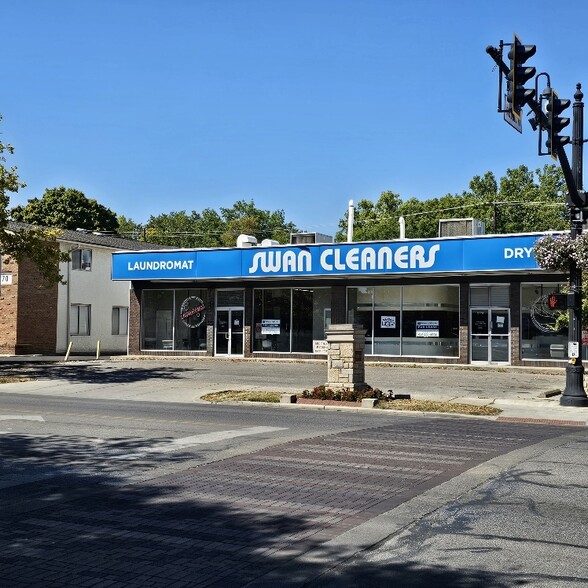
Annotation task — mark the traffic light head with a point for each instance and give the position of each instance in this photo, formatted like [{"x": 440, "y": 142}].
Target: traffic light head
[
  {"x": 518, "y": 75},
  {"x": 555, "y": 106}
]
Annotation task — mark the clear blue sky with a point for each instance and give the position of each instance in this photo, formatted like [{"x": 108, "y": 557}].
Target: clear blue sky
[{"x": 153, "y": 106}]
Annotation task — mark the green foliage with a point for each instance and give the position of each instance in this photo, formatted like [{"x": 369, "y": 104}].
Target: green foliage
[
  {"x": 129, "y": 229},
  {"x": 38, "y": 245},
  {"x": 522, "y": 201},
  {"x": 66, "y": 208},
  {"x": 344, "y": 394},
  {"x": 245, "y": 218},
  {"x": 374, "y": 222},
  {"x": 9, "y": 181},
  {"x": 212, "y": 229}
]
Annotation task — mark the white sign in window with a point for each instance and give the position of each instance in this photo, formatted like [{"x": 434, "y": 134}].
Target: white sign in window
[
  {"x": 388, "y": 322},
  {"x": 427, "y": 328},
  {"x": 270, "y": 326}
]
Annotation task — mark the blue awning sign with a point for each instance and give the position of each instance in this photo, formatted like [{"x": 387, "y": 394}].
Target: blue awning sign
[{"x": 468, "y": 254}]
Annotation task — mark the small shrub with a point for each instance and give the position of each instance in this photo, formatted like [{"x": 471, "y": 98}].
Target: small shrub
[{"x": 343, "y": 394}]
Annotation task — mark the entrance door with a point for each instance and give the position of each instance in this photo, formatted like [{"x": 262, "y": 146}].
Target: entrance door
[
  {"x": 229, "y": 331},
  {"x": 490, "y": 335}
]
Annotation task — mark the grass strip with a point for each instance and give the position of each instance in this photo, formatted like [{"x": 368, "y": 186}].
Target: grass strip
[{"x": 413, "y": 405}]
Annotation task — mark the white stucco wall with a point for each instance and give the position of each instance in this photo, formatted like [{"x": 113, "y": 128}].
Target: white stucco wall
[{"x": 93, "y": 287}]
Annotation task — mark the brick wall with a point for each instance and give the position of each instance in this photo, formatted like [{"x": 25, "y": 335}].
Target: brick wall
[
  {"x": 37, "y": 312},
  {"x": 8, "y": 309},
  {"x": 464, "y": 329},
  {"x": 28, "y": 311},
  {"x": 135, "y": 319}
]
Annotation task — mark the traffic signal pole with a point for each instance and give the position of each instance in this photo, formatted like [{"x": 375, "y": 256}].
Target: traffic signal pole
[{"x": 573, "y": 394}]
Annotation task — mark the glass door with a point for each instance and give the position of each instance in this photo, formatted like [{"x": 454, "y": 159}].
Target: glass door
[
  {"x": 490, "y": 335},
  {"x": 229, "y": 331}
]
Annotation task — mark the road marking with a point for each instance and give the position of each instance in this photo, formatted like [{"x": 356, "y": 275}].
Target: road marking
[
  {"x": 213, "y": 437},
  {"x": 21, "y": 417},
  {"x": 202, "y": 439}
]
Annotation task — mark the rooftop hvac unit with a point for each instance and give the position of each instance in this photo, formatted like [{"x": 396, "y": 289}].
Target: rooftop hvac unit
[
  {"x": 307, "y": 238},
  {"x": 246, "y": 241},
  {"x": 461, "y": 227}
]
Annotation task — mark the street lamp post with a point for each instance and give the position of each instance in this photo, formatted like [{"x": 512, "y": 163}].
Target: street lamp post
[{"x": 574, "y": 394}]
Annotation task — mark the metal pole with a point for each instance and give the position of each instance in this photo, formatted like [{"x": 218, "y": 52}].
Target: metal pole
[{"x": 574, "y": 394}]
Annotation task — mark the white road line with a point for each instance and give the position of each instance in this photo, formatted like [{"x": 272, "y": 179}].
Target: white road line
[
  {"x": 202, "y": 439},
  {"x": 212, "y": 437},
  {"x": 21, "y": 417}
]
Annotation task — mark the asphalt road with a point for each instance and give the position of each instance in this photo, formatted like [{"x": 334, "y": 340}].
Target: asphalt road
[{"x": 120, "y": 493}]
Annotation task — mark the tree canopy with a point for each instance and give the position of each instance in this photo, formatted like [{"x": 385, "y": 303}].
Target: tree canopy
[
  {"x": 210, "y": 228},
  {"x": 521, "y": 201},
  {"x": 26, "y": 243},
  {"x": 66, "y": 208}
]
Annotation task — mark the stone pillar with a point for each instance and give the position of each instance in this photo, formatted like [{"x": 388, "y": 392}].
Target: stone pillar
[{"x": 346, "y": 357}]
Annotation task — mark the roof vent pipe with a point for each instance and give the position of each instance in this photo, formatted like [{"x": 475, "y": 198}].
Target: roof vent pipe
[
  {"x": 402, "y": 227},
  {"x": 350, "y": 221}
]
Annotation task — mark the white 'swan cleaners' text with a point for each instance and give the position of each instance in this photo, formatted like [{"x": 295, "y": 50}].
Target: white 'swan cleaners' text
[{"x": 364, "y": 259}]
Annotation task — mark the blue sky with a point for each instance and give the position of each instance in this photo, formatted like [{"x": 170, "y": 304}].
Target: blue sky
[{"x": 153, "y": 106}]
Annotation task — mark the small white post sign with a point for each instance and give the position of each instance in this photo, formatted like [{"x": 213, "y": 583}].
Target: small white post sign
[
  {"x": 320, "y": 346},
  {"x": 6, "y": 279},
  {"x": 573, "y": 349}
]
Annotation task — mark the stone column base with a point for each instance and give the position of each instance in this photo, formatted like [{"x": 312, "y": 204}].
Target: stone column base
[{"x": 356, "y": 387}]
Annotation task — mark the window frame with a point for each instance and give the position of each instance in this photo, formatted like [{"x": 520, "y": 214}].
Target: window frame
[
  {"x": 116, "y": 324},
  {"x": 74, "y": 320},
  {"x": 81, "y": 259}
]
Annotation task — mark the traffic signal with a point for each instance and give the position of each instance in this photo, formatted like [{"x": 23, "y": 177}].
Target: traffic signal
[
  {"x": 518, "y": 75},
  {"x": 555, "y": 106},
  {"x": 557, "y": 301}
]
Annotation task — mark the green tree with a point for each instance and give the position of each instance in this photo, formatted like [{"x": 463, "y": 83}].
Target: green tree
[
  {"x": 212, "y": 229},
  {"x": 522, "y": 201},
  {"x": 38, "y": 245},
  {"x": 244, "y": 218},
  {"x": 180, "y": 229},
  {"x": 373, "y": 222},
  {"x": 422, "y": 217},
  {"x": 177, "y": 229},
  {"x": 66, "y": 208},
  {"x": 129, "y": 229}
]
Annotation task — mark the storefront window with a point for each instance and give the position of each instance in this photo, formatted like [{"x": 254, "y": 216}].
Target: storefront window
[
  {"x": 174, "y": 320},
  {"x": 430, "y": 321},
  {"x": 360, "y": 311},
  {"x": 290, "y": 319},
  {"x": 407, "y": 320},
  {"x": 539, "y": 339},
  {"x": 387, "y": 320}
]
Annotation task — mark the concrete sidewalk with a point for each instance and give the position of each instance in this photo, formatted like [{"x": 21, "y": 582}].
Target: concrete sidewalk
[
  {"x": 519, "y": 519},
  {"x": 530, "y": 394}
]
